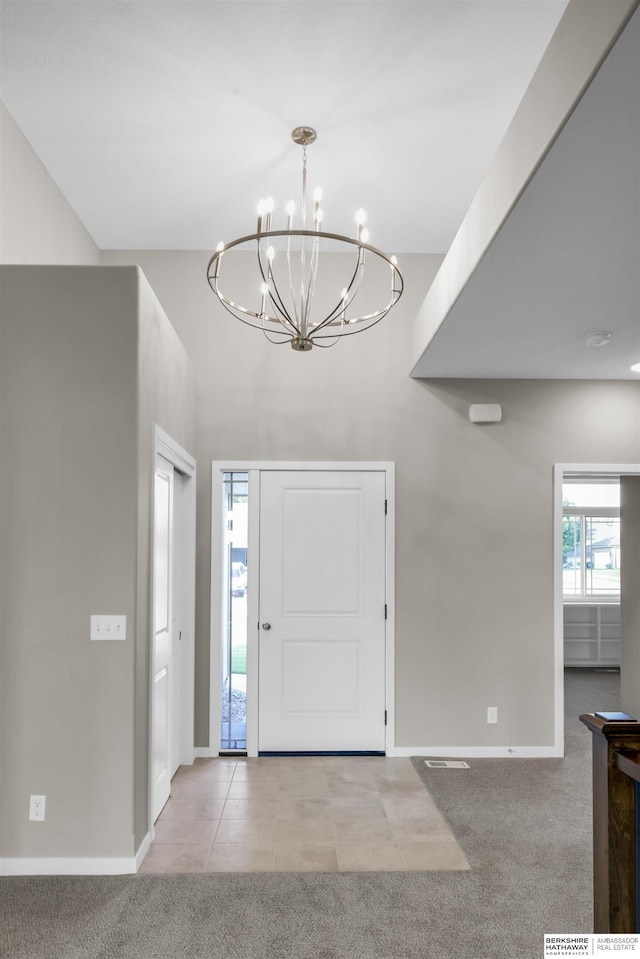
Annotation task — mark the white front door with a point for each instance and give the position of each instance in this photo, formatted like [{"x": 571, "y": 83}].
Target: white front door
[
  {"x": 162, "y": 652},
  {"x": 322, "y": 611}
]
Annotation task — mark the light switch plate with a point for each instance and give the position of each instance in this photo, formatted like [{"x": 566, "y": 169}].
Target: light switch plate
[{"x": 108, "y": 627}]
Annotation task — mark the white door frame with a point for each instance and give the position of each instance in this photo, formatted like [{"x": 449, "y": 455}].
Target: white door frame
[
  {"x": 165, "y": 446},
  {"x": 253, "y": 468},
  {"x": 559, "y": 469}
]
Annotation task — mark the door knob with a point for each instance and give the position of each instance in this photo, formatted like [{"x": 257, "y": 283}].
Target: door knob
[{"x": 266, "y": 625}]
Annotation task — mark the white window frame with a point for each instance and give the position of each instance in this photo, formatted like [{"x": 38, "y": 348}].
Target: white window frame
[{"x": 587, "y": 512}]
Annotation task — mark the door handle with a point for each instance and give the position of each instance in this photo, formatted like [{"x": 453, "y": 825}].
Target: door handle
[{"x": 266, "y": 625}]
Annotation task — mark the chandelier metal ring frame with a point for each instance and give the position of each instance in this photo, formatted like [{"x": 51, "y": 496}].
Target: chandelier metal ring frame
[{"x": 286, "y": 318}]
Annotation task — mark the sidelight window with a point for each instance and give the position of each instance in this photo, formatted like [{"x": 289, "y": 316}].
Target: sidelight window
[{"x": 234, "y": 645}]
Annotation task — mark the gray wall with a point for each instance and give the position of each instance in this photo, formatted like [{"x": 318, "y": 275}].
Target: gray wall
[
  {"x": 37, "y": 225},
  {"x": 474, "y": 575},
  {"x": 87, "y": 363},
  {"x": 68, "y": 513}
]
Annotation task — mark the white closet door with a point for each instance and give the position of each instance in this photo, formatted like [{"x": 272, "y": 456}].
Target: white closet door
[{"x": 162, "y": 652}]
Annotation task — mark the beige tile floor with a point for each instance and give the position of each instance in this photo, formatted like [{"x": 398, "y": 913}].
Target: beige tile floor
[{"x": 301, "y": 814}]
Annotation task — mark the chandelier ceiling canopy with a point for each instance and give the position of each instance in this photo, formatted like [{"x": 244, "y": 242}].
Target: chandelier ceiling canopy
[{"x": 291, "y": 304}]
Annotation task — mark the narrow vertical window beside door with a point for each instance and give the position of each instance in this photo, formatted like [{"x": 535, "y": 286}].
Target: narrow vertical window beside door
[{"x": 234, "y": 593}]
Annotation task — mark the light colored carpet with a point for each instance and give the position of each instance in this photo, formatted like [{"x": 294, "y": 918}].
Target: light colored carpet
[{"x": 524, "y": 825}]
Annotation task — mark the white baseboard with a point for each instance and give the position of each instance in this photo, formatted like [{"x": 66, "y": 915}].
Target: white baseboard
[
  {"x": 449, "y": 752},
  {"x": 143, "y": 849},
  {"x": 75, "y": 865},
  {"x": 481, "y": 752}
]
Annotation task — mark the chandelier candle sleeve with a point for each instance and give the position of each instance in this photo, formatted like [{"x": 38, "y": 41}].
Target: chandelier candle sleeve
[{"x": 289, "y": 273}]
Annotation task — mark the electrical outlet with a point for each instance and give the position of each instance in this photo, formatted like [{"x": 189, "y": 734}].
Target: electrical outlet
[
  {"x": 492, "y": 714},
  {"x": 36, "y": 808}
]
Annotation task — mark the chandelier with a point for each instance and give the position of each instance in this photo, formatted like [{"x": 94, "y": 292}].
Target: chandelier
[{"x": 287, "y": 275}]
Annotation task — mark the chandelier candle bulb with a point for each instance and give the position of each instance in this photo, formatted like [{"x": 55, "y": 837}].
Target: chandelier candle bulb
[
  {"x": 291, "y": 209},
  {"x": 268, "y": 207}
]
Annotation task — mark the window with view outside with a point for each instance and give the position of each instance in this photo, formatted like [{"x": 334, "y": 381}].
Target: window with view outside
[
  {"x": 234, "y": 603},
  {"x": 591, "y": 540}
]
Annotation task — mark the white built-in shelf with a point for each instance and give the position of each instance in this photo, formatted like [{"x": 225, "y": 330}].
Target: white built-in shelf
[{"x": 592, "y": 634}]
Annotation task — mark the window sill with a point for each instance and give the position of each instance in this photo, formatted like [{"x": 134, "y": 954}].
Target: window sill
[{"x": 591, "y": 600}]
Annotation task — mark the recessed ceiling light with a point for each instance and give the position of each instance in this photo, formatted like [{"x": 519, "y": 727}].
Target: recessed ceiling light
[
  {"x": 597, "y": 339},
  {"x": 636, "y": 368}
]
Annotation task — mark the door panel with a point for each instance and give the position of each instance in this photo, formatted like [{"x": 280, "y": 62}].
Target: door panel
[
  {"x": 322, "y": 594},
  {"x": 162, "y": 640},
  {"x": 321, "y": 677},
  {"x": 322, "y": 541}
]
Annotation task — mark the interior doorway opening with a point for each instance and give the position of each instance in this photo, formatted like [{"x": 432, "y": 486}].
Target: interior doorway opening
[
  {"x": 235, "y": 512},
  {"x": 570, "y": 552},
  {"x": 591, "y": 569}
]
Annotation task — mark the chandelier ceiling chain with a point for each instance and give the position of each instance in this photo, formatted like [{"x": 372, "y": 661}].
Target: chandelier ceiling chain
[{"x": 288, "y": 284}]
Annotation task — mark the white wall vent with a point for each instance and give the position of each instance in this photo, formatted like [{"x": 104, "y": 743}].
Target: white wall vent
[{"x": 446, "y": 764}]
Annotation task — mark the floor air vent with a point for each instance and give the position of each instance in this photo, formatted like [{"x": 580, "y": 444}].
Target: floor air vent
[{"x": 446, "y": 764}]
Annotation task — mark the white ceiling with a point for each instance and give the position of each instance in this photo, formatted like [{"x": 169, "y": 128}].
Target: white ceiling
[{"x": 163, "y": 123}]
